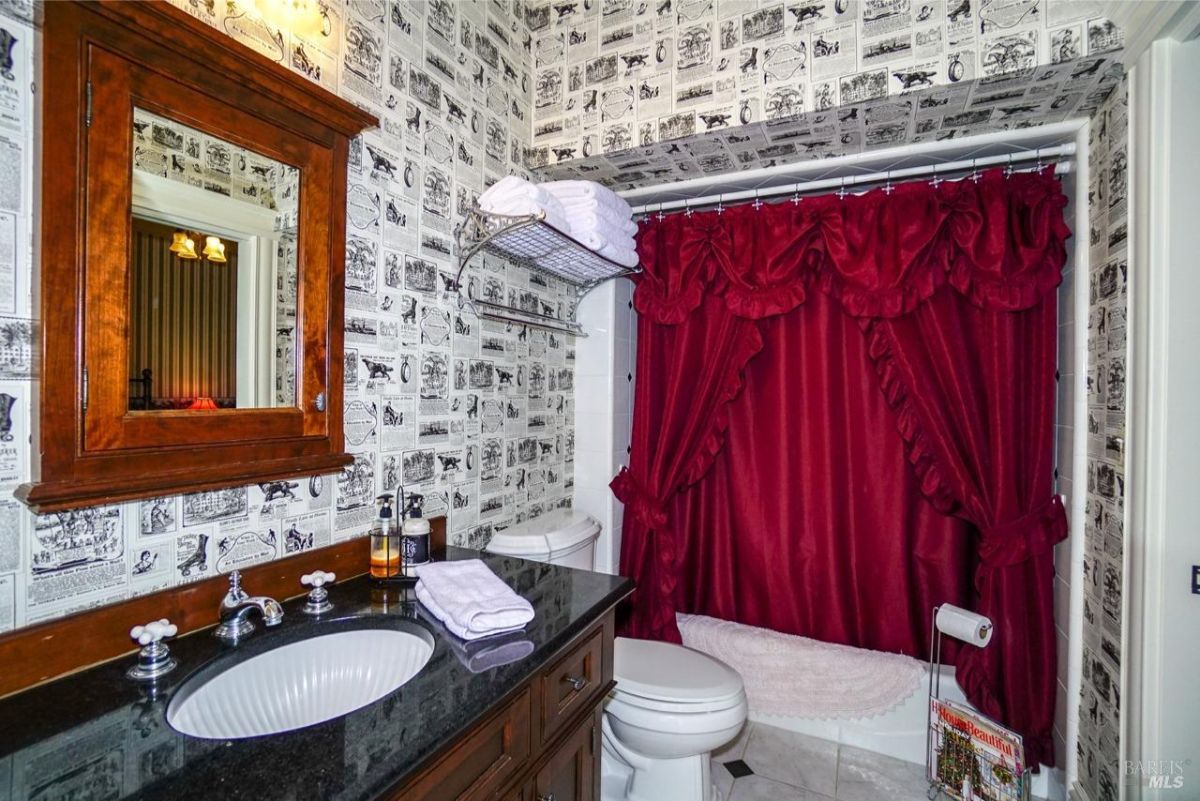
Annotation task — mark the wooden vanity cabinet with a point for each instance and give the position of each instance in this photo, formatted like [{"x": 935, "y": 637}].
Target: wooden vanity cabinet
[{"x": 542, "y": 745}]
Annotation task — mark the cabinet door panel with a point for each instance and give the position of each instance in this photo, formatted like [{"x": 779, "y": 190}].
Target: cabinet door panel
[{"x": 570, "y": 774}]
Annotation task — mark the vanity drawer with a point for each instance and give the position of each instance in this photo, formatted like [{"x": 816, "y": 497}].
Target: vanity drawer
[
  {"x": 482, "y": 764},
  {"x": 571, "y": 684}
]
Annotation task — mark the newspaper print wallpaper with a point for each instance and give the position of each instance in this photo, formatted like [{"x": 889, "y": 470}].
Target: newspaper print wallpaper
[
  {"x": 475, "y": 417},
  {"x": 630, "y": 93},
  {"x": 1104, "y": 538}
]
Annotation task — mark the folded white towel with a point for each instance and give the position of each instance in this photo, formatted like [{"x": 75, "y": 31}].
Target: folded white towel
[
  {"x": 470, "y": 599},
  {"x": 520, "y": 207},
  {"x": 513, "y": 186},
  {"x": 602, "y": 222},
  {"x": 517, "y": 197},
  {"x": 450, "y": 624},
  {"x": 605, "y": 232},
  {"x": 588, "y": 190},
  {"x": 621, "y": 251}
]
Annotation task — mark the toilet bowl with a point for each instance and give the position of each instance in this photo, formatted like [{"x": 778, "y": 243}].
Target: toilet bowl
[{"x": 671, "y": 708}]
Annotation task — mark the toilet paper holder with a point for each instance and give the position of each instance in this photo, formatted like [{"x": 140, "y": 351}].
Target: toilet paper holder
[{"x": 972, "y": 629}]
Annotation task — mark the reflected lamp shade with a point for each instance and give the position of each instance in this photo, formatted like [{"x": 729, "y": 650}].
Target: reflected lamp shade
[
  {"x": 214, "y": 249},
  {"x": 184, "y": 246},
  {"x": 203, "y": 404}
]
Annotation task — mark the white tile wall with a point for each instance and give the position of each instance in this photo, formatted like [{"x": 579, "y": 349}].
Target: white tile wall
[{"x": 603, "y": 409}]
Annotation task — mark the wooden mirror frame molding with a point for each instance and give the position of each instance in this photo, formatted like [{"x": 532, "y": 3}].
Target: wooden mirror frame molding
[{"x": 100, "y": 59}]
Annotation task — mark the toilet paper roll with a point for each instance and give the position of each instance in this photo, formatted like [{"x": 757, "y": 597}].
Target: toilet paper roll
[{"x": 963, "y": 624}]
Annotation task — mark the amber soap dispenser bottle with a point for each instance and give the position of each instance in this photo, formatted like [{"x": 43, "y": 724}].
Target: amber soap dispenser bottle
[{"x": 386, "y": 547}]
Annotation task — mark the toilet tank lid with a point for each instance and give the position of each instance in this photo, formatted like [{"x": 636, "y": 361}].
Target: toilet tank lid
[
  {"x": 668, "y": 672},
  {"x": 561, "y": 529}
]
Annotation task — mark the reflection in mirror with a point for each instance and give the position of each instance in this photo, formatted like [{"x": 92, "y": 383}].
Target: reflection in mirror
[{"x": 212, "y": 274}]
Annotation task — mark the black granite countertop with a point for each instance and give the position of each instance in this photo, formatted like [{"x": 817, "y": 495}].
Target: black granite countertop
[{"x": 99, "y": 735}]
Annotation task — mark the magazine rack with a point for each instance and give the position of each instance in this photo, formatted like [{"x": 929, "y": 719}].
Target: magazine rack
[
  {"x": 530, "y": 242},
  {"x": 938, "y": 750}
]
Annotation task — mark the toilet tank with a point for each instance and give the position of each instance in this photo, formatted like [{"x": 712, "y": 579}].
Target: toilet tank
[{"x": 562, "y": 537}]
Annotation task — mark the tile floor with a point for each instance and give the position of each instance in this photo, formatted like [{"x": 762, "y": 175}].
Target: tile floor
[{"x": 769, "y": 764}]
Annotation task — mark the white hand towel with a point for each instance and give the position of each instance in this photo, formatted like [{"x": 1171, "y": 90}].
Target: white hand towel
[
  {"x": 450, "y": 624},
  {"x": 588, "y": 190},
  {"x": 471, "y": 599}
]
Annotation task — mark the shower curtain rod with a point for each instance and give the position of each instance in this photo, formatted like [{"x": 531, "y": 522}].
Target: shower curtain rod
[{"x": 1059, "y": 155}]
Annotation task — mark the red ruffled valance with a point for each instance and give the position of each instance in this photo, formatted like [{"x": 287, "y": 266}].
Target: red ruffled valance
[{"x": 999, "y": 241}]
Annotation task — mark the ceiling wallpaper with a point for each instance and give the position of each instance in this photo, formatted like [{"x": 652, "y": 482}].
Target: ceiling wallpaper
[{"x": 631, "y": 93}]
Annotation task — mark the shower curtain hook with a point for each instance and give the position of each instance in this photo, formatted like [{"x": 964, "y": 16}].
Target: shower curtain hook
[
  {"x": 720, "y": 204},
  {"x": 1039, "y": 159},
  {"x": 796, "y": 195},
  {"x": 1008, "y": 171},
  {"x": 660, "y": 212},
  {"x": 935, "y": 182},
  {"x": 687, "y": 208},
  {"x": 841, "y": 193},
  {"x": 974, "y": 172},
  {"x": 757, "y": 204},
  {"x": 887, "y": 186}
]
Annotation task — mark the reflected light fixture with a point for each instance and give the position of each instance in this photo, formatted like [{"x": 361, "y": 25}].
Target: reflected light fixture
[
  {"x": 183, "y": 245},
  {"x": 203, "y": 404},
  {"x": 214, "y": 249},
  {"x": 302, "y": 17}
]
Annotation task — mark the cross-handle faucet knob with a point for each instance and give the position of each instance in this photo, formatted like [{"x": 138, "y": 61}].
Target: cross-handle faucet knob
[
  {"x": 154, "y": 659},
  {"x": 318, "y": 599},
  {"x": 153, "y": 631},
  {"x": 318, "y": 578}
]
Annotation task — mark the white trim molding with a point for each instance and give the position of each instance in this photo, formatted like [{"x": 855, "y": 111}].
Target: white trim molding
[{"x": 1163, "y": 441}]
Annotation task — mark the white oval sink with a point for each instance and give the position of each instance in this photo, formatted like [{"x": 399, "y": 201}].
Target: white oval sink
[{"x": 299, "y": 684}]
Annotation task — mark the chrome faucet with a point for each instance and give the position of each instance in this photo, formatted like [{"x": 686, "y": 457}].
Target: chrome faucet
[{"x": 235, "y": 611}]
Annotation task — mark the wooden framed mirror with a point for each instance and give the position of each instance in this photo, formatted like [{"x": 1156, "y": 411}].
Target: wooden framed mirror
[{"x": 192, "y": 251}]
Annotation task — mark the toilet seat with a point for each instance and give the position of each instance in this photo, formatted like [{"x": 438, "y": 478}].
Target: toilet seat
[
  {"x": 660, "y": 673},
  {"x": 678, "y": 707}
]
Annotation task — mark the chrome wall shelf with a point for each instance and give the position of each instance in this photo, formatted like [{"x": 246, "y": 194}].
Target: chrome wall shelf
[{"x": 530, "y": 242}]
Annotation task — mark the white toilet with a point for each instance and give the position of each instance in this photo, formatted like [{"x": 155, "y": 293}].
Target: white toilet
[{"x": 672, "y": 706}]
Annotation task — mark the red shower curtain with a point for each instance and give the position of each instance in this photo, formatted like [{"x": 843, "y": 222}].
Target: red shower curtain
[{"x": 951, "y": 289}]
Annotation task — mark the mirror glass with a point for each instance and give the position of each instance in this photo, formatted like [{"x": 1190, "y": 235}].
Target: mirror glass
[{"x": 212, "y": 272}]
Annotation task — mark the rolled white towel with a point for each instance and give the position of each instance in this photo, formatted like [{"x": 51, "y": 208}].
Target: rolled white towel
[{"x": 588, "y": 190}]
